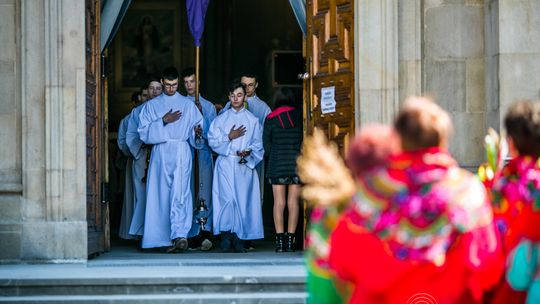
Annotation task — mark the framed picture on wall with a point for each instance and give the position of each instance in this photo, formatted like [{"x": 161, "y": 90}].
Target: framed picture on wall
[{"x": 148, "y": 41}]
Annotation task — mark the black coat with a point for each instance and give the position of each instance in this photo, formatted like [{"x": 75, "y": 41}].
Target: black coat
[{"x": 282, "y": 139}]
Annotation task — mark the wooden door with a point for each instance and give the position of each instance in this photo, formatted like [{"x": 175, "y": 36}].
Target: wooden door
[
  {"x": 95, "y": 204},
  {"x": 330, "y": 60}
]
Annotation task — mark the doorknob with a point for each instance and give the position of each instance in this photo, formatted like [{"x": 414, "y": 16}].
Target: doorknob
[{"x": 303, "y": 76}]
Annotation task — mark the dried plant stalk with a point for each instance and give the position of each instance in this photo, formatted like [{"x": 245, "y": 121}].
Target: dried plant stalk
[{"x": 327, "y": 180}]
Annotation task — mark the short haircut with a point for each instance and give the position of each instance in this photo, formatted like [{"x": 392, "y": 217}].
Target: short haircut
[
  {"x": 421, "y": 123},
  {"x": 236, "y": 85},
  {"x": 143, "y": 88},
  {"x": 250, "y": 75},
  {"x": 169, "y": 73},
  {"x": 135, "y": 96},
  {"x": 187, "y": 72},
  {"x": 283, "y": 97},
  {"x": 152, "y": 79},
  {"x": 522, "y": 123}
]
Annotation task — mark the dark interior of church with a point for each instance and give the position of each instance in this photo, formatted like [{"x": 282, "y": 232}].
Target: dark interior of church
[{"x": 260, "y": 37}]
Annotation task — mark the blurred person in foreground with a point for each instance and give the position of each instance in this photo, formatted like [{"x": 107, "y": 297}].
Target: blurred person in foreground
[
  {"x": 329, "y": 187},
  {"x": 515, "y": 193},
  {"x": 418, "y": 225}
]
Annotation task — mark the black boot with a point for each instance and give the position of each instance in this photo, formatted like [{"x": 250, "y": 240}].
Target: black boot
[
  {"x": 226, "y": 241},
  {"x": 279, "y": 242},
  {"x": 238, "y": 244},
  {"x": 291, "y": 242}
]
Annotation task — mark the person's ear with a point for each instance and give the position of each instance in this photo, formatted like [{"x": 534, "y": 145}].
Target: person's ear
[{"x": 256, "y": 85}]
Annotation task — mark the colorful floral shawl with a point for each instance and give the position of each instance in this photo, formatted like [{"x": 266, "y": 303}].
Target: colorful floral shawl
[
  {"x": 515, "y": 194},
  {"x": 416, "y": 206},
  {"x": 419, "y": 204}
]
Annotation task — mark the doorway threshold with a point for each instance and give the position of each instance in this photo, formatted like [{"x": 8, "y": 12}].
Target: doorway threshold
[{"x": 128, "y": 256}]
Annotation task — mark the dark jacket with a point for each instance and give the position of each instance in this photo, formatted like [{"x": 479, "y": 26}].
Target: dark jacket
[{"x": 282, "y": 139}]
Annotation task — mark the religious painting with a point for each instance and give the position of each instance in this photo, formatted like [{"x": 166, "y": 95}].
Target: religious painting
[{"x": 148, "y": 42}]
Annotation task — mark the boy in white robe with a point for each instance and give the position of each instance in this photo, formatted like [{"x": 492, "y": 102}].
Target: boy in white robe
[
  {"x": 236, "y": 135},
  {"x": 127, "y": 205},
  {"x": 169, "y": 123},
  {"x": 260, "y": 109},
  {"x": 139, "y": 151},
  {"x": 200, "y": 235}
]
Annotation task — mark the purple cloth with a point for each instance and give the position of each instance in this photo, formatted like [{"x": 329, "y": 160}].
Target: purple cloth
[{"x": 196, "y": 10}]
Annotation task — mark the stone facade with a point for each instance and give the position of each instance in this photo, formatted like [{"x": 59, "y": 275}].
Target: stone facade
[
  {"x": 475, "y": 56},
  {"x": 42, "y": 80}
]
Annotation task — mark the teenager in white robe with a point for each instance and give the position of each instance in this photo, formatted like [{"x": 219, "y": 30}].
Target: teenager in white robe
[
  {"x": 127, "y": 205},
  {"x": 168, "y": 123},
  {"x": 205, "y": 164},
  {"x": 260, "y": 109},
  {"x": 139, "y": 151},
  {"x": 235, "y": 190}
]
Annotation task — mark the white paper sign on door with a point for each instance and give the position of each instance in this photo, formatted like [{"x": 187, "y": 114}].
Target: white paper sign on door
[{"x": 328, "y": 102}]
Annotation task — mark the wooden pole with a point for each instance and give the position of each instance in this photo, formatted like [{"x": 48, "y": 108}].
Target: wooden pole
[
  {"x": 196, "y": 154},
  {"x": 197, "y": 74}
]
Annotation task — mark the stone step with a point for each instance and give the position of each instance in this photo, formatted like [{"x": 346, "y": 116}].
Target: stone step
[
  {"x": 130, "y": 277},
  {"x": 206, "y": 298},
  {"x": 152, "y": 285}
]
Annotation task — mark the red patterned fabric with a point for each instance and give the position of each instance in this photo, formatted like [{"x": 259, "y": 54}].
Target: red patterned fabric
[
  {"x": 515, "y": 193},
  {"x": 419, "y": 226}
]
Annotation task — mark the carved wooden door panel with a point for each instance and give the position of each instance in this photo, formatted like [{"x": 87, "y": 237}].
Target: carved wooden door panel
[
  {"x": 94, "y": 122},
  {"x": 330, "y": 59}
]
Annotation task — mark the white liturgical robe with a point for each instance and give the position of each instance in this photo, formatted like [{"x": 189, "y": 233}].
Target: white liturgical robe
[
  {"x": 169, "y": 201},
  {"x": 235, "y": 191}
]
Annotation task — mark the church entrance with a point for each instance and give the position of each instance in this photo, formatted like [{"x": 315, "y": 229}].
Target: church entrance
[{"x": 260, "y": 37}]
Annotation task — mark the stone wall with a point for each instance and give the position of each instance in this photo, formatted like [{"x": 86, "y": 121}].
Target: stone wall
[
  {"x": 513, "y": 54},
  {"x": 42, "y": 118},
  {"x": 453, "y": 71},
  {"x": 433, "y": 47},
  {"x": 475, "y": 57},
  {"x": 11, "y": 177}
]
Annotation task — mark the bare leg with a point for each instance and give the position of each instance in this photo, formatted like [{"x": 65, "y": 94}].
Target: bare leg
[
  {"x": 279, "y": 206},
  {"x": 293, "y": 207}
]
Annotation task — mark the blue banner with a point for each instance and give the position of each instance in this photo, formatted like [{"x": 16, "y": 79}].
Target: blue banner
[{"x": 196, "y": 11}]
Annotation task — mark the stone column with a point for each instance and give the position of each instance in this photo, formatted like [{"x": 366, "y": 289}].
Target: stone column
[
  {"x": 11, "y": 163},
  {"x": 65, "y": 172},
  {"x": 376, "y": 60},
  {"x": 410, "y": 48}
]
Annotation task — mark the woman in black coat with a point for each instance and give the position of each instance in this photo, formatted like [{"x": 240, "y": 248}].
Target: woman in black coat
[{"x": 282, "y": 140}]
